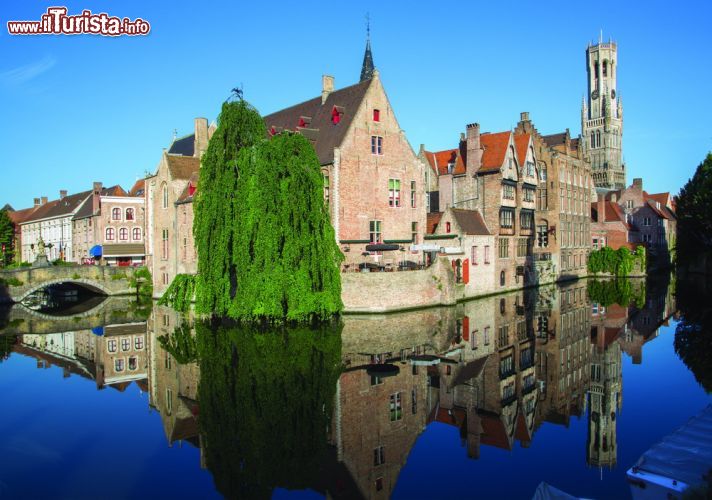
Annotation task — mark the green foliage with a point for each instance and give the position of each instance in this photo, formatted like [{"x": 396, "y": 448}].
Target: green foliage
[
  {"x": 616, "y": 291},
  {"x": 11, "y": 282},
  {"x": 119, "y": 276},
  {"x": 693, "y": 209},
  {"x": 181, "y": 345},
  {"x": 215, "y": 227},
  {"x": 619, "y": 263},
  {"x": 6, "y": 343},
  {"x": 693, "y": 336},
  {"x": 180, "y": 293},
  {"x": 18, "y": 265},
  {"x": 64, "y": 263},
  {"x": 267, "y": 251},
  {"x": 266, "y": 401},
  {"x": 75, "y": 276},
  {"x": 7, "y": 238},
  {"x": 286, "y": 254},
  {"x": 142, "y": 281}
]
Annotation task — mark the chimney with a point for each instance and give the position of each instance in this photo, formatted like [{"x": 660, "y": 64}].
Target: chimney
[
  {"x": 638, "y": 183},
  {"x": 96, "y": 198},
  {"x": 37, "y": 202},
  {"x": 524, "y": 116},
  {"x": 62, "y": 193},
  {"x": 43, "y": 200},
  {"x": 201, "y": 137},
  {"x": 474, "y": 151},
  {"x": 327, "y": 87},
  {"x": 601, "y": 208}
]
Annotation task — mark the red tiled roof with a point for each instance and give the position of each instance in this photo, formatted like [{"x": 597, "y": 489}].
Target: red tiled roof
[
  {"x": 138, "y": 188},
  {"x": 440, "y": 160},
  {"x": 494, "y": 433},
  {"x": 18, "y": 216},
  {"x": 433, "y": 219},
  {"x": 522, "y": 431},
  {"x": 495, "y": 150},
  {"x": 521, "y": 144}
]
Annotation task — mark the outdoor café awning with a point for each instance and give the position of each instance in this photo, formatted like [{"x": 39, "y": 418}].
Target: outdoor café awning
[
  {"x": 381, "y": 247},
  {"x": 95, "y": 251}
]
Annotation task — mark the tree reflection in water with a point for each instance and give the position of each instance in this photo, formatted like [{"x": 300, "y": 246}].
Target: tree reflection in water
[
  {"x": 693, "y": 336},
  {"x": 266, "y": 400}
]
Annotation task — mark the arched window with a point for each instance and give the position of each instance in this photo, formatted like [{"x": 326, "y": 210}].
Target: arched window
[
  {"x": 164, "y": 194},
  {"x": 502, "y": 278},
  {"x": 598, "y": 138},
  {"x": 137, "y": 234},
  {"x": 605, "y": 68},
  {"x": 129, "y": 214},
  {"x": 116, "y": 213},
  {"x": 595, "y": 69},
  {"x": 123, "y": 234},
  {"x": 593, "y": 140},
  {"x": 109, "y": 234}
]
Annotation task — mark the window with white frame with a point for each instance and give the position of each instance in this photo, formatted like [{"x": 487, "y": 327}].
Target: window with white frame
[
  {"x": 374, "y": 231},
  {"x": 376, "y": 145},
  {"x": 394, "y": 189},
  {"x": 129, "y": 214},
  {"x": 116, "y": 213},
  {"x": 136, "y": 234},
  {"x": 138, "y": 342}
]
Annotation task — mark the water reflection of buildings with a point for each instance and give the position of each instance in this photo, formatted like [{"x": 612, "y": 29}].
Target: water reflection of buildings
[
  {"x": 496, "y": 369},
  {"x": 113, "y": 356}
]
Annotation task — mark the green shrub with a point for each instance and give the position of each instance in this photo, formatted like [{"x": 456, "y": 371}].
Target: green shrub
[
  {"x": 142, "y": 280},
  {"x": 180, "y": 293},
  {"x": 619, "y": 263}
]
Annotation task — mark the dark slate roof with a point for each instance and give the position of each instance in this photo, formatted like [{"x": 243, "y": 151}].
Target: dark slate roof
[
  {"x": 8, "y": 207},
  {"x": 324, "y": 134},
  {"x": 184, "y": 146},
  {"x": 59, "y": 208},
  {"x": 86, "y": 209},
  {"x": 555, "y": 139},
  {"x": 470, "y": 221},
  {"x": 139, "y": 188}
]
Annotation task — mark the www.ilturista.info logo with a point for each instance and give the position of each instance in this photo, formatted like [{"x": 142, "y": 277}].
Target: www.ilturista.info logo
[{"x": 56, "y": 22}]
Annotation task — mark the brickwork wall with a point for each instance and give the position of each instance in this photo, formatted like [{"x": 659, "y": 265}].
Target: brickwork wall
[{"x": 363, "y": 179}]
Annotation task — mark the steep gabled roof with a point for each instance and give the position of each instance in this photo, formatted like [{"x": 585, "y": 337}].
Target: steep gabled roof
[
  {"x": 433, "y": 219},
  {"x": 324, "y": 134},
  {"x": 552, "y": 140},
  {"x": 495, "y": 150},
  {"x": 470, "y": 221},
  {"x": 182, "y": 167},
  {"x": 521, "y": 145}
]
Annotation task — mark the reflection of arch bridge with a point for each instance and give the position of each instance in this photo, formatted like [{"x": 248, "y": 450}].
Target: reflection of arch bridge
[
  {"x": 111, "y": 311},
  {"x": 16, "y": 284}
]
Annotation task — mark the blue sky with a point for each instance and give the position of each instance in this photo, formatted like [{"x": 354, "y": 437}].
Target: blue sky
[{"x": 76, "y": 109}]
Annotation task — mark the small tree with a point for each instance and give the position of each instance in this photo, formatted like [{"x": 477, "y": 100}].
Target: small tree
[{"x": 7, "y": 238}]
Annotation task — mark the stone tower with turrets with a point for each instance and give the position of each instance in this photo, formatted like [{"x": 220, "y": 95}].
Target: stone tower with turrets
[{"x": 602, "y": 117}]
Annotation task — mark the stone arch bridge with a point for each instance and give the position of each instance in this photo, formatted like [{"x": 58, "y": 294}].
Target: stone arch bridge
[{"x": 16, "y": 284}]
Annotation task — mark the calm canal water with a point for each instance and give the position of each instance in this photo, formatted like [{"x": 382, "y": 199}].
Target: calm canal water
[{"x": 568, "y": 385}]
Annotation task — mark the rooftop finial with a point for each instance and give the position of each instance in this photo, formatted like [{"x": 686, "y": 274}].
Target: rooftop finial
[
  {"x": 367, "y": 68},
  {"x": 600, "y": 38}
]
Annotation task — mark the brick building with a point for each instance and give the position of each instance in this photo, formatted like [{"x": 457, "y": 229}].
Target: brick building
[
  {"x": 496, "y": 175},
  {"x": 168, "y": 195},
  {"x": 110, "y": 224},
  {"x": 564, "y": 191}
]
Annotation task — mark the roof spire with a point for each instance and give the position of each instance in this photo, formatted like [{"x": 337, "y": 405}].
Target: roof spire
[{"x": 367, "y": 68}]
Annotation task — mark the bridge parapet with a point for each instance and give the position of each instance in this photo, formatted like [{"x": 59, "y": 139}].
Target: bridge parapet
[{"x": 16, "y": 284}]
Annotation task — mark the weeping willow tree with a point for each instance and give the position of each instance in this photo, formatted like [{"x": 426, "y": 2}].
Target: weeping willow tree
[
  {"x": 286, "y": 255},
  {"x": 215, "y": 225},
  {"x": 266, "y": 401},
  {"x": 267, "y": 250}
]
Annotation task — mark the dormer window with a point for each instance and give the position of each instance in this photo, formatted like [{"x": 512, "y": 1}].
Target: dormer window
[
  {"x": 191, "y": 189},
  {"x": 450, "y": 167},
  {"x": 376, "y": 115},
  {"x": 447, "y": 227},
  {"x": 304, "y": 121},
  {"x": 336, "y": 114},
  {"x": 272, "y": 130}
]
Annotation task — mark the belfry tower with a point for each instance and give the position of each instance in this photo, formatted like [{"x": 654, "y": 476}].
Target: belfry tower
[{"x": 602, "y": 117}]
